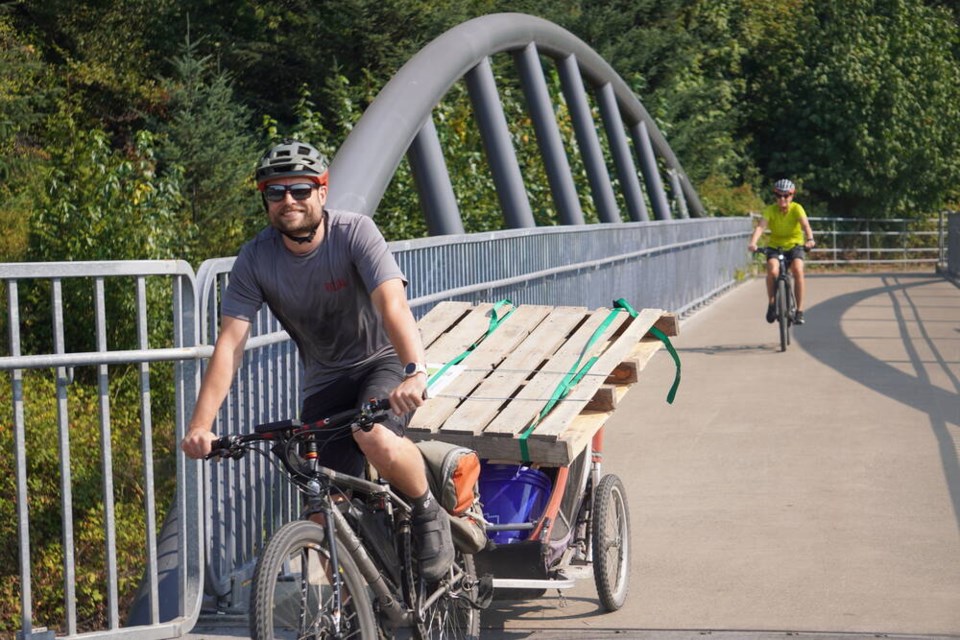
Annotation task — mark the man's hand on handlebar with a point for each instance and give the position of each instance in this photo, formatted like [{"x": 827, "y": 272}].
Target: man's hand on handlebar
[
  {"x": 409, "y": 394},
  {"x": 197, "y": 443}
]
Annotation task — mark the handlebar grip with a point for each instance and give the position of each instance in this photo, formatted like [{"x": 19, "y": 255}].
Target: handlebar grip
[
  {"x": 217, "y": 447},
  {"x": 224, "y": 447}
]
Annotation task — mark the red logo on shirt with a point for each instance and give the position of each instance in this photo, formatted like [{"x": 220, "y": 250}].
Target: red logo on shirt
[{"x": 335, "y": 285}]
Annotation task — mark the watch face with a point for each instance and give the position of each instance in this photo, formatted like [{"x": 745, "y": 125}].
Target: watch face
[{"x": 413, "y": 369}]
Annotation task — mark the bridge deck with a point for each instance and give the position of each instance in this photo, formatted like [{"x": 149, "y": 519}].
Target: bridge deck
[{"x": 815, "y": 490}]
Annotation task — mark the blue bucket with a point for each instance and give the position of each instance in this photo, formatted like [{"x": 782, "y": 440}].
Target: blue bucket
[{"x": 512, "y": 494}]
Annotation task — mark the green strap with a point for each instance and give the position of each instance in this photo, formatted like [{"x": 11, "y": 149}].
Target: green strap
[
  {"x": 623, "y": 304},
  {"x": 495, "y": 322},
  {"x": 570, "y": 380},
  {"x": 576, "y": 374}
]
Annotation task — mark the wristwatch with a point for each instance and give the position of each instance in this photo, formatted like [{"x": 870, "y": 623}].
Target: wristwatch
[{"x": 413, "y": 368}]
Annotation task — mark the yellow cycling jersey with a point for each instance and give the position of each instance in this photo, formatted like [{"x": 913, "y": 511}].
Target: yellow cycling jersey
[{"x": 785, "y": 229}]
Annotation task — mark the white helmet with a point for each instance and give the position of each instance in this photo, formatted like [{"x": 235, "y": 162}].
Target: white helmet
[
  {"x": 292, "y": 158},
  {"x": 785, "y": 187}
]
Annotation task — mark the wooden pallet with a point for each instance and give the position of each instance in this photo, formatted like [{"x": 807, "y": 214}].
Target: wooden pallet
[{"x": 498, "y": 391}]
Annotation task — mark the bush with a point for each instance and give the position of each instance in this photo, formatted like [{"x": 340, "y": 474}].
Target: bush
[{"x": 86, "y": 486}]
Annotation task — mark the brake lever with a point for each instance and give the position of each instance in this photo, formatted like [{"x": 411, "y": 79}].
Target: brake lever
[
  {"x": 370, "y": 411},
  {"x": 226, "y": 447}
]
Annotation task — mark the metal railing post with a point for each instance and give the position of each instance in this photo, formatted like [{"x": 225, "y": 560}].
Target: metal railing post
[
  {"x": 501, "y": 156},
  {"x": 63, "y": 362},
  {"x": 437, "y": 200},
  {"x": 548, "y": 136}
]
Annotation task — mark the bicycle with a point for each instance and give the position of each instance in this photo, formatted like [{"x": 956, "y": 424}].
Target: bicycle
[
  {"x": 306, "y": 587},
  {"x": 785, "y": 302}
]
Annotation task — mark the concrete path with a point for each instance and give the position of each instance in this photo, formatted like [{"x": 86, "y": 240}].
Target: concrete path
[{"x": 814, "y": 492}]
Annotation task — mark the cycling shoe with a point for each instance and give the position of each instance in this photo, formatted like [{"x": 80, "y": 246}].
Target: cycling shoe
[{"x": 431, "y": 531}]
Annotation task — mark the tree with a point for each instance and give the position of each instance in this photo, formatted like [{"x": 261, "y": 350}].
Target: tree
[
  {"x": 21, "y": 162},
  {"x": 860, "y": 102},
  {"x": 206, "y": 137},
  {"x": 98, "y": 204}
]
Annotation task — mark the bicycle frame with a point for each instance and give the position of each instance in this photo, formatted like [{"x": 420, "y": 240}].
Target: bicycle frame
[
  {"x": 784, "y": 299},
  {"x": 322, "y": 486}
]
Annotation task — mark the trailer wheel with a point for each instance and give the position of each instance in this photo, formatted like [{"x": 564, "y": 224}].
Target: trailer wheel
[{"x": 610, "y": 539}]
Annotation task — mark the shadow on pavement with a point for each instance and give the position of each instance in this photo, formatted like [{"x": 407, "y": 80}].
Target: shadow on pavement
[{"x": 917, "y": 391}]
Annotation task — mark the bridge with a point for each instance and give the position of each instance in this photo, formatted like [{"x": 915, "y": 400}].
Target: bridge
[
  {"x": 812, "y": 493},
  {"x": 653, "y": 246}
]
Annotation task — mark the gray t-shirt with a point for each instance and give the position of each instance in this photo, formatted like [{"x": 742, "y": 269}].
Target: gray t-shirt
[{"x": 322, "y": 298}]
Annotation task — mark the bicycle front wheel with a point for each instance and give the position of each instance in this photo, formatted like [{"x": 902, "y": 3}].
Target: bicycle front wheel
[
  {"x": 783, "y": 314},
  {"x": 293, "y": 594}
]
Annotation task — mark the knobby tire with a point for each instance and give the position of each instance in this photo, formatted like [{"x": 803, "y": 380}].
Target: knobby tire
[{"x": 292, "y": 596}]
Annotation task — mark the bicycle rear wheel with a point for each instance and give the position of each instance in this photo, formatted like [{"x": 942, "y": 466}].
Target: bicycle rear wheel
[
  {"x": 453, "y": 615},
  {"x": 293, "y": 595},
  {"x": 783, "y": 314}
]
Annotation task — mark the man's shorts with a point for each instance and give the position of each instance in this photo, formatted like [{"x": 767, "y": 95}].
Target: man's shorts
[{"x": 339, "y": 451}]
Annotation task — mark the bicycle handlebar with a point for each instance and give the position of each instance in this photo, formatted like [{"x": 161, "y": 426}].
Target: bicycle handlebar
[
  {"x": 232, "y": 446},
  {"x": 768, "y": 251}
]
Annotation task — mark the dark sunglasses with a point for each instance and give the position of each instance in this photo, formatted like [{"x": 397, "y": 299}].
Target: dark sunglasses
[
  {"x": 784, "y": 195},
  {"x": 299, "y": 191}
]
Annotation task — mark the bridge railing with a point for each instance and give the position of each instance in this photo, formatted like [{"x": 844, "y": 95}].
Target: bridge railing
[
  {"x": 203, "y": 554},
  {"x": 950, "y": 259},
  {"x": 69, "y": 284},
  {"x": 873, "y": 241}
]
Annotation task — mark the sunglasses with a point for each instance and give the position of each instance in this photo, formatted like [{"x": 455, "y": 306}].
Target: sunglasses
[
  {"x": 784, "y": 195},
  {"x": 299, "y": 191}
]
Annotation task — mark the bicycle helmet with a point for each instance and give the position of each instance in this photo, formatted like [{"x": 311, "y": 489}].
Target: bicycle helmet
[
  {"x": 784, "y": 186},
  {"x": 292, "y": 158}
]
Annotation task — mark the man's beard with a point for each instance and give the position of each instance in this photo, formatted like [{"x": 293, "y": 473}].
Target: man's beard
[{"x": 306, "y": 226}]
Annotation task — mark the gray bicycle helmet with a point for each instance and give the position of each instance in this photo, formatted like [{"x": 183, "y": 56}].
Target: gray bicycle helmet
[
  {"x": 292, "y": 158},
  {"x": 784, "y": 186}
]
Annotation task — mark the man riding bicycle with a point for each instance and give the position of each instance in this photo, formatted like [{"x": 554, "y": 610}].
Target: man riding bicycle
[
  {"x": 790, "y": 231},
  {"x": 333, "y": 284}
]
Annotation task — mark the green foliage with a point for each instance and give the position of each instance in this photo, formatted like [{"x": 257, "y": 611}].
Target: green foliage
[
  {"x": 723, "y": 199},
  {"x": 862, "y": 102},
  {"x": 98, "y": 204},
  {"x": 205, "y": 137},
  {"x": 101, "y": 203},
  {"x": 21, "y": 105},
  {"x": 44, "y": 498},
  {"x": 102, "y": 52}
]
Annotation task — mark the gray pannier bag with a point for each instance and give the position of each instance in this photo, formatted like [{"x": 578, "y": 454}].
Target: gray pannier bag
[{"x": 453, "y": 473}]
